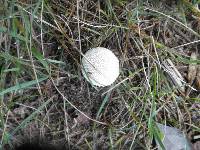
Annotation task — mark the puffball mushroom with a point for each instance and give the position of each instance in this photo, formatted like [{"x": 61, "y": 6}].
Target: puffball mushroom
[{"x": 100, "y": 66}]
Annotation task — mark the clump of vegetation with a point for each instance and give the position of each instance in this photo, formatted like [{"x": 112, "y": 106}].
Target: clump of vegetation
[{"x": 44, "y": 94}]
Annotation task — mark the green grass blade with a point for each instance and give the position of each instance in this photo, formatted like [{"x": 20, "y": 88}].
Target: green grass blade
[
  {"x": 40, "y": 57},
  {"x": 103, "y": 103},
  {"x": 21, "y": 86}
]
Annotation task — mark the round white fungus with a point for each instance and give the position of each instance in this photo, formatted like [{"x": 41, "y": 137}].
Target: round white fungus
[{"x": 100, "y": 66}]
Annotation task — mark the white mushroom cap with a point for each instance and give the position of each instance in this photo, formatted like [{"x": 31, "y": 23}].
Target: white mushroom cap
[{"x": 100, "y": 66}]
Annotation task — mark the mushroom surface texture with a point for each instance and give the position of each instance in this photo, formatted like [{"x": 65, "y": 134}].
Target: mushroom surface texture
[{"x": 100, "y": 66}]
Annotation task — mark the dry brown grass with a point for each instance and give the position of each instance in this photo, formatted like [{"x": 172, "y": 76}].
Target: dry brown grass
[{"x": 46, "y": 39}]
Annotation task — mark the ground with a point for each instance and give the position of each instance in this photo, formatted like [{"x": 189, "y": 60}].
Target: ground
[{"x": 44, "y": 96}]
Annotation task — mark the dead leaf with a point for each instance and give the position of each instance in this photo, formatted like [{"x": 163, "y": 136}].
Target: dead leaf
[
  {"x": 196, "y": 145},
  {"x": 192, "y": 69},
  {"x": 198, "y": 77},
  {"x": 174, "y": 75},
  {"x": 82, "y": 120}
]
